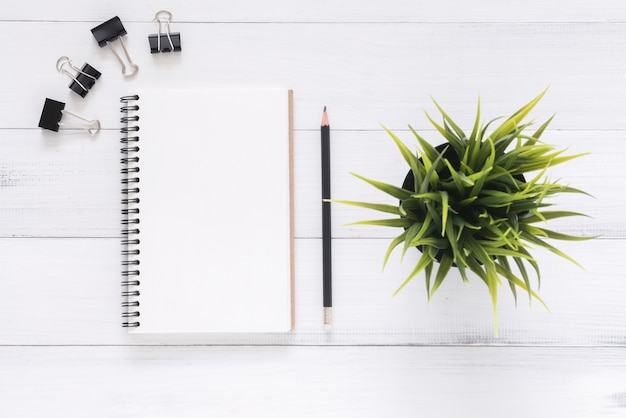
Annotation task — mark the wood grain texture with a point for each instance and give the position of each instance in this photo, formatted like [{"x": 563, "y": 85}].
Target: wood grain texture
[
  {"x": 326, "y": 11},
  {"x": 67, "y": 292},
  {"x": 64, "y": 185},
  {"x": 62, "y": 351},
  {"x": 369, "y": 66},
  {"x": 59, "y": 184},
  {"x": 446, "y": 382}
]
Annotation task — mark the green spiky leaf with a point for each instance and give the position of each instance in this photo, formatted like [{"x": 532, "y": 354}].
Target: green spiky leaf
[{"x": 478, "y": 204}]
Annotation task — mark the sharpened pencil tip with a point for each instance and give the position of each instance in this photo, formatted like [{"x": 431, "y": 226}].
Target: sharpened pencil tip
[{"x": 324, "y": 117}]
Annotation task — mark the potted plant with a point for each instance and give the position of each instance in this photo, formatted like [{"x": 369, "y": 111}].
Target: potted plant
[{"x": 476, "y": 203}]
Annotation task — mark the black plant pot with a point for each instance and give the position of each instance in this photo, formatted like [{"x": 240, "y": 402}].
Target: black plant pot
[{"x": 453, "y": 159}]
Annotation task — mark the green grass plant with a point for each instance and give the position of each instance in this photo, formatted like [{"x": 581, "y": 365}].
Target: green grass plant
[{"x": 478, "y": 203}]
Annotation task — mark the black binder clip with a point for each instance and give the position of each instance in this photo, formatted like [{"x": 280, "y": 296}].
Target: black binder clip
[
  {"x": 108, "y": 32},
  {"x": 82, "y": 80},
  {"x": 52, "y": 113},
  {"x": 164, "y": 42}
]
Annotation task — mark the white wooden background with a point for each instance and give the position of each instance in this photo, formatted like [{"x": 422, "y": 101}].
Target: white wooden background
[{"x": 62, "y": 350}]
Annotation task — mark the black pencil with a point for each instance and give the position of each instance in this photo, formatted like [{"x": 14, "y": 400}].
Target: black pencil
[{"x": 326, "y": 236}]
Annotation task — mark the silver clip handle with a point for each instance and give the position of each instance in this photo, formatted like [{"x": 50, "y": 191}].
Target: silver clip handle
[
  {"x": 65, "y": 61},
  {"x": 131, "y": 68},
  {"x": 92, "y": 126},
  {"x": 165, "y": 17}
]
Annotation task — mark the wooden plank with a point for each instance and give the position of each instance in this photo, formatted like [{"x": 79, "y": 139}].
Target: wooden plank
[
  {"x": 59, "y": 184},
  {"x": 366, "y": 74},
  {"x": 312, "y": 382},
  {"x": 67, "y": 291},
  {"x": 327, "y": 11},
  {"x": 67, "y": 185}
]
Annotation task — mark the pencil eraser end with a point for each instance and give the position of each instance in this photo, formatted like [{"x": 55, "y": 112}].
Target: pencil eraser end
[{"x": 328, "y": 318}]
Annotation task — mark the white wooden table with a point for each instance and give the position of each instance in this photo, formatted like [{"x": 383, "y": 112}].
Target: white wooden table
[{"x": 62, "y": 350}]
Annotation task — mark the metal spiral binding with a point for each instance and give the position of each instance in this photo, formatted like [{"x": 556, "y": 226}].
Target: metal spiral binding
[{"x": 130, "y": 211}]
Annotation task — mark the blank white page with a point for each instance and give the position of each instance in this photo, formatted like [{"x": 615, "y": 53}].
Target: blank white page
[{"x": 215, "y": 210}]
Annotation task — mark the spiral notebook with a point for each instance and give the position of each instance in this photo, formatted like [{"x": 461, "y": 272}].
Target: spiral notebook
[{"x": 208, "y": 210}]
